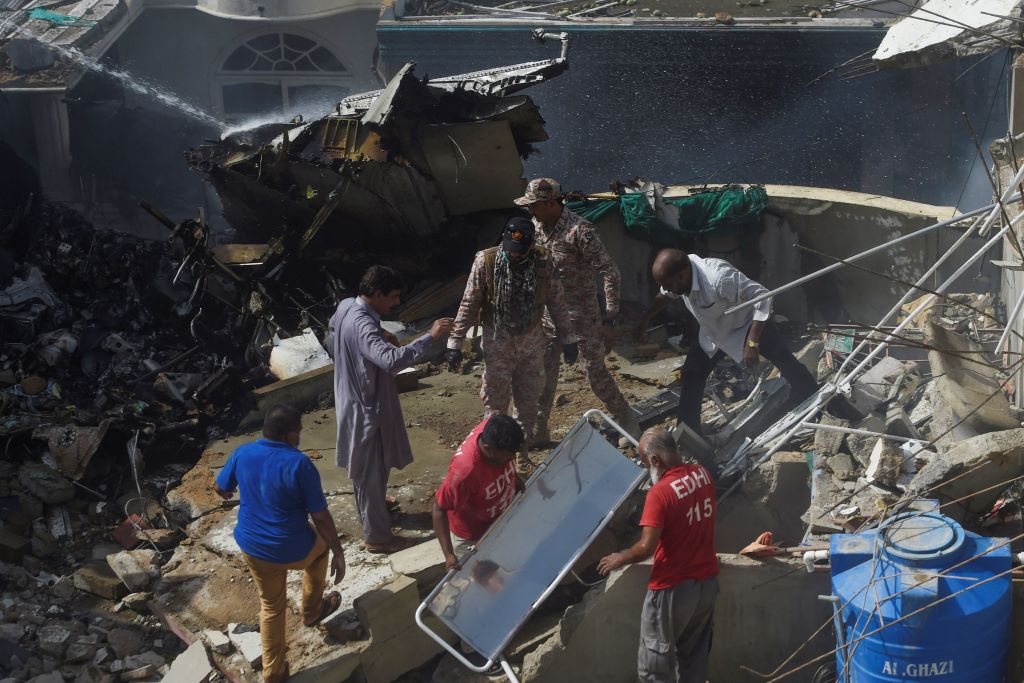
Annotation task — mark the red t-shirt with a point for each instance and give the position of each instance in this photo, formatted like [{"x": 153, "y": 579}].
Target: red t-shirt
[
  {"x": 475, "y": 491},
  {"x": 682, "y": 504}
]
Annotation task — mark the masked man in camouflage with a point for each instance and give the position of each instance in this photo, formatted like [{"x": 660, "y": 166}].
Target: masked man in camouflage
[
  {"x": 508, "y": 290},
  {"x": 579, "y": 257}
]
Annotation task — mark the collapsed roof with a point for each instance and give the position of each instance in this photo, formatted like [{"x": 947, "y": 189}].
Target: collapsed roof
[{"x": 406, "y": 159}]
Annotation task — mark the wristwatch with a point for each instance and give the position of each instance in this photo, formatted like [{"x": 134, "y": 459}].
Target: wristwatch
[{"x": 751, "y": 344}]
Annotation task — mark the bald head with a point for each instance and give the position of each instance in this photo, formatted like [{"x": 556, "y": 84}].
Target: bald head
[
  {"x": 671, "y": 270},
  {"x": 658, "y": 443}
]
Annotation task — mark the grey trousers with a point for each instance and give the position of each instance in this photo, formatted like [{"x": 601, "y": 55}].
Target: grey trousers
[
  {"x": 371, "y": 492},
  {"x": 675, "y": 633}
]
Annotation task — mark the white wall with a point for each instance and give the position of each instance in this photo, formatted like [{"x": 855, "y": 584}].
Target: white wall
[{"x": 183, "y": 49}]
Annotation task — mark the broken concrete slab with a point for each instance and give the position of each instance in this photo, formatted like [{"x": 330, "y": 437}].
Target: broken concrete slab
[
  {"x": 191, "y": 666},
  {"x": 384, "y": 612},
  {"x": 884, "y": 465},
  {"x": 971, "y": 467},
  {"x": 966, "y": 382},
  {"x": 827, "y": 443},
  {"x": 217, "y": 641},
  {"x": 125, "y": 642},
  {"x": 46, "y": 484},
  {"x": 861, "y": 445},
  {"x": 195, "y": 496},
  {"x": 135, "y": 568},
  {"x": 843, "y": 466},
  {"x": 246, "y": 640},
  {"x": 97, "y": 578},
  {"x": 53, "y": 640},
  {"x": 423, "y": 562},
  {"x": 773, "y": 497},
  {"x": 301, "y": 391}
]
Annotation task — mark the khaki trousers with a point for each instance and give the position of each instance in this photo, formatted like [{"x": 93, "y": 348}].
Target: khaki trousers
[{"x": 271, "y": 579}]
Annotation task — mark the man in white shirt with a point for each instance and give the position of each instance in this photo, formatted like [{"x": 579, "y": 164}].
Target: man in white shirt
[{"x": 709, "y": 287}]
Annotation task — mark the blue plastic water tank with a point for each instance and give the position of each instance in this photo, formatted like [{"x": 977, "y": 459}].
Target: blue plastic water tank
[{"x": 884, "y": 574}]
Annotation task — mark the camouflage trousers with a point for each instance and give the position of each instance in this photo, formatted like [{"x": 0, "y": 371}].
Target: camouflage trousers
[
  {"x": 514, "y": 370},
  {"x": 591, "y": 362}
]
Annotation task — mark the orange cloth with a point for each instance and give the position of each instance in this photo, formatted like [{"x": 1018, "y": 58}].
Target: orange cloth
[{"x": 270, "y": 579}]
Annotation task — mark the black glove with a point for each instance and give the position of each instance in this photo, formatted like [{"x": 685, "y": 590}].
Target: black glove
[
  {"x": 454, "y": 359},
  {"x": 571, "y": 353}
]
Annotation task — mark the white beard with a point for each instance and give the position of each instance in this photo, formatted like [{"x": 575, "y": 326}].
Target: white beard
[{"x": 655, "y": 475}]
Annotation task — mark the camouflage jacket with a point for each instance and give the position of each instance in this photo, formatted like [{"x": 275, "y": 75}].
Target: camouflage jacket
[{"x": 579, "y": 256}]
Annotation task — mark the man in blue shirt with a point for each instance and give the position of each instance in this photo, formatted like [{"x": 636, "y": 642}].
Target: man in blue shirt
[{"x": 279, "y": 490}]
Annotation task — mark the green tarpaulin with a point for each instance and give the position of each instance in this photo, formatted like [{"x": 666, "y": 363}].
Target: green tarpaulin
[{"x": 725, "y": 210}]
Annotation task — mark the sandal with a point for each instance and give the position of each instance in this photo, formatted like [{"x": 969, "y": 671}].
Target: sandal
[
  {"x": 330, "y": 604},
  {"x": 393, "y": 546}
]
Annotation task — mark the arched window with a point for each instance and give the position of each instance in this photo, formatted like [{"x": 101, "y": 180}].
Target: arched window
[{"x": 281, "y": 73}]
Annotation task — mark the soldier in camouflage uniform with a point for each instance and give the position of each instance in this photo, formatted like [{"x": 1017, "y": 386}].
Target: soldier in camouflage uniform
[
  {"x": 509, "y": 288},
  {"x": 579, "y": 256}
]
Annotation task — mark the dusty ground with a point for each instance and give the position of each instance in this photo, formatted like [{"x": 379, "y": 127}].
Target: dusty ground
[{"x": 207, "y": 584}]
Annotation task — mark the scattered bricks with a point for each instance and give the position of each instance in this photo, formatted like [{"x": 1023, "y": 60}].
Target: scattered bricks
[
  {"x": 163, "y": 539},
  {"x": 898, "y": 423},
  {"x": 843, "y": 467},
  {"x": 388, "y": 610},
  {"x": 147, "y": 658},
  {"x": 423, "y": 562},
  {"x": 53, "y": 640},
  {"x": 217, "y": 641},
  {"x": 248, "y": 644},
  {"x": 97, "y": 578},
  {"x": 93, "y": 674},
  {"x": 63, "y": 588},
  {"x": 125, "y": 642},
  {"x": 52, "y": 677},
  {"x": 46, "y": 484},
  {"x": 12, "y": 632},
  {"x": 191, "y": 666},
  {"x": 828, "y": 443},
  {"x": 134, "y": 567},
  {"x": 80, "y": 652},
  {"x": 12, "y": 547},
  {"x": 139, "y": 673}
]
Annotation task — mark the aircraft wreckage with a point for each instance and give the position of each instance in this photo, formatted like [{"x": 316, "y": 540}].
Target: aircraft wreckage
[{"x": 408, "y": 161}]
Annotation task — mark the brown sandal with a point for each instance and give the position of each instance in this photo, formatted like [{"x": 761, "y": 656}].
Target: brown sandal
[
  {"x": 330, "y": 605},
  {"x": 396, "y": 544}
]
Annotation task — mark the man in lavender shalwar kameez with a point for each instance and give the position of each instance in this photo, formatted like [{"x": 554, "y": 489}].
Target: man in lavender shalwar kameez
[{"x": 371, "y": 430}]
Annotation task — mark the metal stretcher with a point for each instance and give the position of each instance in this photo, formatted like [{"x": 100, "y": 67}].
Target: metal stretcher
[{"x": 533, "y": 545}]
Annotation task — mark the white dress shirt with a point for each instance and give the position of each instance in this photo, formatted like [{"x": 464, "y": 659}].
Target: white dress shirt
[{"x": 717, "y": 286}]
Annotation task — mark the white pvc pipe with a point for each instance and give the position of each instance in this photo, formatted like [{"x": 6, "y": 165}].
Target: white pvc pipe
[
  {"x": 859, "y": 432},
  {"x": 812, "y": 556}
]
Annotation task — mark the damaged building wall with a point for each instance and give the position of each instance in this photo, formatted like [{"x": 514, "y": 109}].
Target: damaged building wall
[
  {"x": 616, "y": 113},
  {"x": 597, "y": 639},
  {"x": 188, "y": 50}
]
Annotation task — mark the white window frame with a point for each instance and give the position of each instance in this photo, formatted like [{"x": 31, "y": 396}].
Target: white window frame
[{"x": 283, "y": 79}]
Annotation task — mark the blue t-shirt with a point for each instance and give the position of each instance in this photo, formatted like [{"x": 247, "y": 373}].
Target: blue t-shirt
[{"x": 278, "y": 488}]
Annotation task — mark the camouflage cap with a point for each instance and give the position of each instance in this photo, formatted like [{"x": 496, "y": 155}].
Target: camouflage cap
[{"x": 540, "y": 190}]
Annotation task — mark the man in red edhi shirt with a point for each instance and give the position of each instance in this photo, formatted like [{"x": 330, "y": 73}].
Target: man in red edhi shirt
[
  {"x": 679, "y": 530},
  {"x": 480, "y": 484}
]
